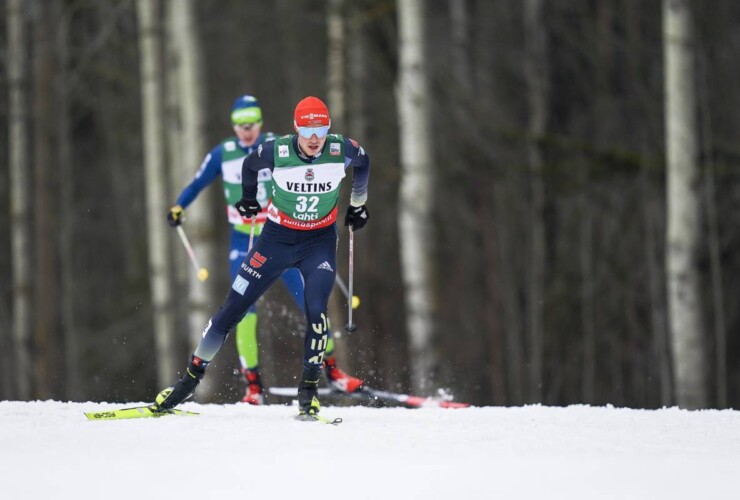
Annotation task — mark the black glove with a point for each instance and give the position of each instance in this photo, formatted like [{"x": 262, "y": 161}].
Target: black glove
[
  {"x": 356, "y": 217},
  {"x": 175, "y": 216},
  {"x": 248, "y": 208}
]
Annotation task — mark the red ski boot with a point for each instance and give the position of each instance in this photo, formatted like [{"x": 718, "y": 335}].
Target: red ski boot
[
  {"x": 338, "y": 379},
  {"x": 255, "y": 392}
]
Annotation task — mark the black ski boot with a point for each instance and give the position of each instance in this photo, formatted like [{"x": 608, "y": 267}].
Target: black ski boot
[
  {"x": 308, "y": 401},
  {"x": 183, "y": 388}
]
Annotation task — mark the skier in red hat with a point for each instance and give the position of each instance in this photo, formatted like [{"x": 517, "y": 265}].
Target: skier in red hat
[{"x": 307, "y": 170}]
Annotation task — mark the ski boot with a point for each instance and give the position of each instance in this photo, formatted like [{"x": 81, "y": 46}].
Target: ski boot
[
  {"x": 183, "y": 388},
  {"x": 255, "y": 391},
  {"x": 338, "y": 379},
  {"x": 308, "y": 401}
]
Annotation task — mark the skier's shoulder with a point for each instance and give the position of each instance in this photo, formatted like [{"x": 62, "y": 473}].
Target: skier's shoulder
[
  {"x": 263, "y": 155},
  {"x": 266, "y": 143},
  {"x": 283, "y": 139},
  {"x": 228, "y": 145},
  {"x": 353, "y": 148},
  {"x": 268, "y": 137},
  {"x": 213, "y": 157},
  {"x": 350, "y": 145}
]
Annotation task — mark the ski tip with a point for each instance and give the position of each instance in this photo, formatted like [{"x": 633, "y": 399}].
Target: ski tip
[{"x": 100, "y": 415}]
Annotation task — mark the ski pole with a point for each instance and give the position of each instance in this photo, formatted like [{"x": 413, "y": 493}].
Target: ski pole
[
  {"x": 350, "y": 326},
  {"x": 343, "y": 287},
  {"x": 202, "y": 271},
  {"x": 251, "y": 236}
]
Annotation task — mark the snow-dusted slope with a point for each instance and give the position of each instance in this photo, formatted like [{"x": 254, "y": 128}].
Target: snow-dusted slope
[{"x": 49, "y": 450}]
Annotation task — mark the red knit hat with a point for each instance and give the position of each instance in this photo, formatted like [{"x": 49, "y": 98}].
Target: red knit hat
[{"x": 311, "y": 112}]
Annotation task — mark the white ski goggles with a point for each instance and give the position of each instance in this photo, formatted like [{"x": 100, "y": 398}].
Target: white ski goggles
[{"x": 308, "y": 132}]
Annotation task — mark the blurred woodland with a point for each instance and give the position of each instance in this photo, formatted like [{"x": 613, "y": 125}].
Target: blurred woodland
[{"x": 546, "y": 241}]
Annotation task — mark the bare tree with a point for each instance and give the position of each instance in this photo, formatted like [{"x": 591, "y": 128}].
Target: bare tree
[
  {"x": 683, "y": 197},
  {"x": 150, "y": 47},
  {"x": 536, "y": 77},
  {"x": 193, "y": 145},
  {"x": 415, "y": 202},
  {"x": 607, "y": 335},
  {"x": 335, "y": 59},
  {"x": 656, "y": 282},
  {"x": 20, "y": 214},
  {"x": 461, "y": 54},
  {"x": 290, "y": 40},
  {"x": 588, "y": 323},
  {"x": 651, "y": 207},
  {"x": 74, "y": 386},
  {"x": 337, "y": 97},
  {"x": 713, "y": 241},
  {"x": 178, "y": 169},
  {"x": 46, "y": 281},
  {"x": 357, "y": 73}
]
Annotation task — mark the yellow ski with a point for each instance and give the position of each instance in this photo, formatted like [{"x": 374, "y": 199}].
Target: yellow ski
[
  {"x": 305, "y": 417},
  {"x": 136, "y": 412}
]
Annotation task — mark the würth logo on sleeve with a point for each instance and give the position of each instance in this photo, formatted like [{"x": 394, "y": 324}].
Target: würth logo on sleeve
[{"x": 257, "y": 260}]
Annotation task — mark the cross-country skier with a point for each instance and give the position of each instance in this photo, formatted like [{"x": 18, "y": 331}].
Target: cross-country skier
[{"x": 226, "y": 160}]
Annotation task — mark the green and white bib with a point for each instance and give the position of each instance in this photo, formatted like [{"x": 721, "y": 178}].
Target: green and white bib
[
  {"x": 305, "y": 195},
  {"x": 232, "y": 158}
]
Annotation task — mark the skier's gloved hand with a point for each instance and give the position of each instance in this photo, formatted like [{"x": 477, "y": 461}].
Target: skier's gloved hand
[
  {"x": 175, "y": 216},
  {"x": 356, "y": 217},
  {"x": 248, "y": 208}
]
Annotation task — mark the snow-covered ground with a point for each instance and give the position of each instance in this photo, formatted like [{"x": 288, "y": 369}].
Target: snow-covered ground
[{"x": 48, "y": 450}]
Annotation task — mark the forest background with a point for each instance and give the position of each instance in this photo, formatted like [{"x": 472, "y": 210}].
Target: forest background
[{"x": 554, "y": 193}]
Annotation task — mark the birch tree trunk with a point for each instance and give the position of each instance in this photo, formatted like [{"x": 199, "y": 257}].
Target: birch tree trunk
[
  {"x": 536, "y": 77},
  {"x": 337, "y": 100},
  {"x": 357, "y": 69},
  {"x": 199, "y": 223},
  {"x": 686, "y": 327},
  {"x": 177, "y": 173},
  {"x": 417, "y": 181},
  {"x": 187, "y": 146},
  {"x": 20, "y": 216},
  {"x": 335, "y": 63},
  {"x": 150, "y": 46}
]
